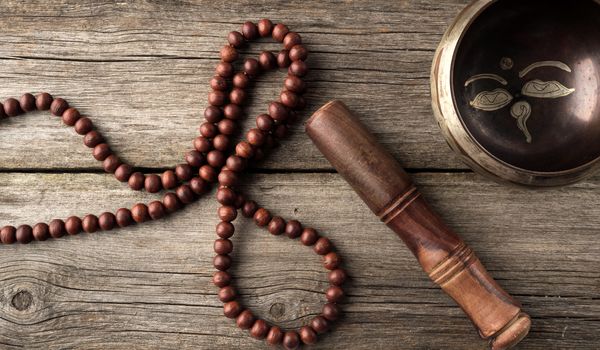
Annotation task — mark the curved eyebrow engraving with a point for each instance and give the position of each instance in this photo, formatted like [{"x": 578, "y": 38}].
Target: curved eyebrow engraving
[
  {"x": 555, "y": 64},
  {"x": 486, "y": 76}
]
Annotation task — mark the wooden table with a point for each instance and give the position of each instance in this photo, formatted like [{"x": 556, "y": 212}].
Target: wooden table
[{"x": 140, "y": 70}]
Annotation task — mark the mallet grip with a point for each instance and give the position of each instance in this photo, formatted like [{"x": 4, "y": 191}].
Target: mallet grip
[{"x": 387, "y": 189}]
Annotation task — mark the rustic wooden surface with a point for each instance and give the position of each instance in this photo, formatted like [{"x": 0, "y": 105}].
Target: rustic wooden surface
[{"x": 140, "y": 69}]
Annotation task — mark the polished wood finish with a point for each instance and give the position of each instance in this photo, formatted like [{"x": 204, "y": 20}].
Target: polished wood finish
[{"x": 388, "y": 191}]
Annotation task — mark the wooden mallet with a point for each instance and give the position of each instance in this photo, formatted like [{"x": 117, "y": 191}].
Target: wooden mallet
[{"x": 388, "y": 191}]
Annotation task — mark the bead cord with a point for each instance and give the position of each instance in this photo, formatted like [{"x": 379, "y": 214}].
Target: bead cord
[{"x": 213, "y": 160}]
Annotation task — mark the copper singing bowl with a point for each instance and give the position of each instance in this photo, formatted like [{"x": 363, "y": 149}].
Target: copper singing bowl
[{"x": 516, "y": 89}]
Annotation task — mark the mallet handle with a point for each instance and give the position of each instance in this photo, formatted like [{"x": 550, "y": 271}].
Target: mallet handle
[{"x": 387, "y": 189}]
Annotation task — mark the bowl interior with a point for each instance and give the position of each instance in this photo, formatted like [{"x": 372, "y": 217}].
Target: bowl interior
[{"x": 526, "y": 83}]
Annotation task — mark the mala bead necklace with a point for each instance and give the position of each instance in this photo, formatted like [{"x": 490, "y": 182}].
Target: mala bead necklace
[{"x": 214, "y": 159}]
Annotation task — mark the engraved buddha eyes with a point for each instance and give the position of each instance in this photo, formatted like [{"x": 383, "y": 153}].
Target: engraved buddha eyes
[{"x": 499, "y": 98}]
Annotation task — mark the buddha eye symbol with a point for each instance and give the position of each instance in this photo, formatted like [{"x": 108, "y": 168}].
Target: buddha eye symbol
[{"x": 499, "y": 98}]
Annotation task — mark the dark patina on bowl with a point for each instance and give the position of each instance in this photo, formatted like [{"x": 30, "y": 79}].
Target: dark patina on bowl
[{"x": 516, "y": 89}]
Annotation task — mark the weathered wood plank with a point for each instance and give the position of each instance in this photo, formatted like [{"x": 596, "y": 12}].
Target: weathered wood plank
[
  {"x": 149, "y": 286},
  {"x": 141, "y": 69}
]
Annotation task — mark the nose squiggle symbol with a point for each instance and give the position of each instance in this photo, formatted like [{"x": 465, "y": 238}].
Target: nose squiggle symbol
[{"x": 499, "y": 98}]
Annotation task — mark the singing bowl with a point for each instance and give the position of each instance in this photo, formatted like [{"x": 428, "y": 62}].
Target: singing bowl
[{"x": 516, "y": 89}]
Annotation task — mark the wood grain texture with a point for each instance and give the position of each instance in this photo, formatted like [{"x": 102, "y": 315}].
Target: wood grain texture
[
  {"x": 140, "y": 69},
  {"x": 137, "y": 65},
  {"x": 149, "y": 286}
]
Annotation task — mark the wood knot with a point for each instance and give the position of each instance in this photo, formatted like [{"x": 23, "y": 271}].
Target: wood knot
[
  {"x": 277, "y": 310},
  {"x": 22, "y": 300}
]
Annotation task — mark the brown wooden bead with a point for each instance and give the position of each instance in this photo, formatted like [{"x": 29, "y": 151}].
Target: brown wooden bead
[
  {"x": 168, "y": 179},
  {"x": 294, "y": 84},
  {"x": 331, "y": 261},
  {"x": 289, "y": 99},
  {"x": 291, "y": 340},
  {"x": 223, "y": 246},
  {"x": 275, "y": 336},
  {"x": 249, "y": 209},
  {"x": 226, "y": 196},
  {"x": 227, "y": 213},
  {"x": 12, "y": 108},
  {"x": 298, "y": 68},
  {"x": 224, "y": 69},
  {"x": 90, "y": 223},
  {"x": 265, "y": 27},
  {"x": 156, "y": 210},
  {"x": 262, "y": 217},
  {"x": 56, "y": 228},
  {"x": 291, "y": 39},
  {"x": 83, "y": 126},
  {"x": 111, "y": 163},
  {"x": 152, "y": 183},
  {"x": 245, "y": 320},
  {"x": 222, "y": 262},
  {"x": 70, "y": 116},
  {"x": 215, "y": 159},
  {"x": 184, "y": 172},
  {"x": 228, "y": 178},
  {"x": 280, "y": 31},
  {"x": 227, "y": 293},
  {"x": 218, "y": 83},
  {"x": 283, "y": 59},
  {"x": 259, "y": 329},
  {"x": 244, "y": 150},
  {"x": 255, "y": 137},
  {"x": 136, "y": 181},
  {"x": 334, "y": 294},
  {"x": 212, "y": 114},
  {"x": 73, "y": 225},
  {"x": 2, "y": 112},
  {"x": 232, "y": 111},
  {"x": 232, "y": 309},
  {"x": 24, "y": 234},
  {"x": 139, "y": 213},
  {"x": 276, "y": 225},
  {"x": 221, "y": 279},
  {"x": 194, "y": 158},
  {"x": 323, "y": 246},
  {"x": 337, "y": 277},
  {"x": 309, "y": 236},
  {"x": 235, "y": 163},
  {"x": 227, "y": 126},
  {"x": 278, "y": 111},
  {"x": 185, "y": 194},
  {"x": 123, "y": 172},
  {"x": 229, "y": 54},
  {"x": 171, "y": 202},
  {"x": 293, "y": 229},
  {"x": 238, "y": 96},
  {"x": 208, "y": 173},
  {"x": 308, "y": 335},
  {"x": 251, "y": 67},
  {"x": 267, "y": 60},
  {"x": 101, "y": 152},
  {"x": 199, "y": 186},
  {"x": 8, "y": 235},
  {"x": 221, "y": 143},
  {"x": 225, "y": 229},
  {"x": 27, "y": 102},
  {"x": 92, "y": 139},
  {"x": 107, "y": 221},
  {"x": 331, "y": 312},
  {"x": 208, "y": 130},
  {"x": 241, "y": 80},
  {"x": 236, "y": 39},
  {"x": 41, "y": 232},
  {"x": 250, "y": 31},
  {"x": 43, "y": 101},
  {"x": 298, "y": 53},
  {"x": 319, "y": 324},
  {"x": 264, "y": 122},
  {"x": 58, "y": 107},
  {"x": 124, "y": 217}
]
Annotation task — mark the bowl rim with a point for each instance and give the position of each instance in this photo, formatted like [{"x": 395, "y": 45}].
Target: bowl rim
[{"x": 456, "y": 134}]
